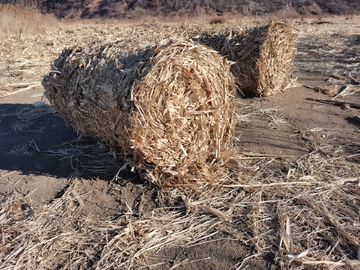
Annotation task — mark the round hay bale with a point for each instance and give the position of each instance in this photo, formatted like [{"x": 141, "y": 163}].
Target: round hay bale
[
  {"x": 168, "y": 107},
  {"x": 263, "y": 57}
]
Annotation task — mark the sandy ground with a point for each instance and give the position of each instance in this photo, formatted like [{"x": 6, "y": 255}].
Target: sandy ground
[{"x": 32, "y": 139}]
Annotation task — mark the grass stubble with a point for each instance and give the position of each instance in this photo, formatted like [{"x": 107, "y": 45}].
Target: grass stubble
[{"x": 305, "y": 217}]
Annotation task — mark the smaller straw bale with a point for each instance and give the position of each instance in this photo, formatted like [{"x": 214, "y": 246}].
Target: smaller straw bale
[
  {"x": 263, "y": 56},
  {"x": 168, "y": 107}
]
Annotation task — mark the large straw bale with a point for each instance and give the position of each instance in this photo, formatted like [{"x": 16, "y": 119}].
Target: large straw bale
[
  {"x": 263, "y": 56},
  {"x": 168, "y": 107}
]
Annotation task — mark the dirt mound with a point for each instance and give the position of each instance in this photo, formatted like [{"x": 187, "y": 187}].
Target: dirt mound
[{"x": 126, "y": 9}]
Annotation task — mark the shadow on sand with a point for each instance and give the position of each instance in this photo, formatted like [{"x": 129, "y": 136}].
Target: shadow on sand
[{"x": 37, "y": 141}]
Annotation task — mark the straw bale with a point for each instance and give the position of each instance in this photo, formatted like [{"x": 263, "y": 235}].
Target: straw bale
[
  {"x": 168, "y": 107},
  {"x": 263, "y": 56}
]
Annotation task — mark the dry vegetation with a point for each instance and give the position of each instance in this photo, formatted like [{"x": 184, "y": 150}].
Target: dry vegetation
[
  {"x": 16, "y": 21},
  {"x": 307, "y": 216},
  {"x": 263, "y": 56},
  {"x": 169, "y": 107}
]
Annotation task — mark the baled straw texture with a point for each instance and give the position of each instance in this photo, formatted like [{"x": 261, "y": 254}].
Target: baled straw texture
[
  {"x": 168, "y": 106},
  {"x": 263, "y": 56}
]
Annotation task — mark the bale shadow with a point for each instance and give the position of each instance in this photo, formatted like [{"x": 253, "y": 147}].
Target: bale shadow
[
  {"x": 355, "y": 120},
  {"x": 354, "y": 40},
  {"x": 37, "y": 141},
  {"x": 25, "y": 138}
]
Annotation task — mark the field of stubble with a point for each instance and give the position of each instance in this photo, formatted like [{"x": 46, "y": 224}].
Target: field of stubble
[{"x": 289, "y": 200}]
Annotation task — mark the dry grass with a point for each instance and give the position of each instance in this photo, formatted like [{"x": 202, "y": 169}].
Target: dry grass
[
  {"x": 335, "y": 44},
  {"x": 306, "y": 217},
  {"x": 30, "y": 59},
  {"x": 16, "y": 21}
]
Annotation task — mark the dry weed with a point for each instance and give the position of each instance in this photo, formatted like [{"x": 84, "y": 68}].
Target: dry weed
[
  {"x": 16, "y": 21},
  {"x": 308, "y": 216},
  {"x": 304, "y": 218}
]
